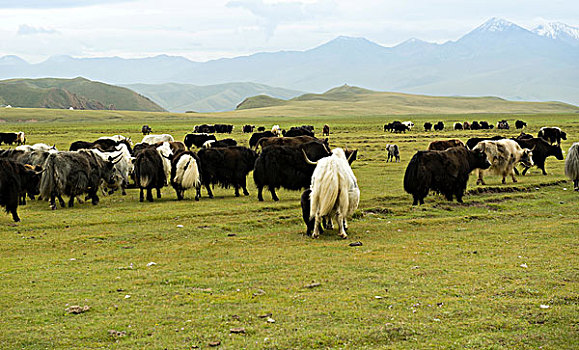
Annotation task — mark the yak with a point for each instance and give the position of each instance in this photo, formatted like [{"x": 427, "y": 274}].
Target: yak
[
  {"x": 16, "y": 179},
  {"x": 572, "y": 165},
  {"x": 334, "y": 191},
  {"x": 185, "y": 174},
  {"x": 445, "y": 171},
  {"x": 441, "y": 145},
  {"x": 226, "y": 166}
]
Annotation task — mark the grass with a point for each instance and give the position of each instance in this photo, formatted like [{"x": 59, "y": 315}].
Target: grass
[{"x": 446, "y": 275}]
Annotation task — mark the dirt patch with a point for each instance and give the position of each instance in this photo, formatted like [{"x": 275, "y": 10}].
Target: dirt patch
[
  {"x": 379, "y": 211},
  {"x": 511, "y": 189}
]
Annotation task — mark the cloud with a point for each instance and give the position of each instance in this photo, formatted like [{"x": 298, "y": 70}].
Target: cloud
[
  {"x": 25, "y": 29},
  {"x": 46, "y": 4},
  {"x": 274, "y": 14}
]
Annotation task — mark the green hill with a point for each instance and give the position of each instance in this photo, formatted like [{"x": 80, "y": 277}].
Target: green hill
[
  {"x": 78, "y": 93},
  {"x": 351, "y": 99}
]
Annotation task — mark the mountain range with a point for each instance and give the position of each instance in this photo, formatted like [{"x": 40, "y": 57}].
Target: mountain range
[{"x": 499, "y": 58}]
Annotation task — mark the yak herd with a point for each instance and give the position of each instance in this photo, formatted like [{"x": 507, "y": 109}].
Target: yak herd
[
  {"x": 446, "y": 165},
  {"x": 278, "y": 159},
  {"x": 294, "y": 159}
]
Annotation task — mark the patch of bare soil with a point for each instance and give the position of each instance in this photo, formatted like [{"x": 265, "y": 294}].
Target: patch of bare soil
[{"x": 511, "y": 189}]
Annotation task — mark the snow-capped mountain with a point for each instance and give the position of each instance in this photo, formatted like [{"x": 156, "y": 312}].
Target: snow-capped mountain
[{"x": 559, "y": 31}]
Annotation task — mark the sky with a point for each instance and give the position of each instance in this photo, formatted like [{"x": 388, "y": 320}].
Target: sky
[{"x": 212, "y": 29}]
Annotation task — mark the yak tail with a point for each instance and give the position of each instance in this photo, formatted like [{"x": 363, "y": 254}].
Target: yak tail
[
  {"x": 187, "y": 173},
  {"x": 572, "y": 162},
  {"x": 49, "y": 179},
  {"x": 412, "y": 176},
  {"x": 325, "y": 191},
  {"x": 144, "y": 181}
]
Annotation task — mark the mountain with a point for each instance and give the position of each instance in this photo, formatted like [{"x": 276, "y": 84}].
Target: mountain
[
  {"x": 560, "y": 32},
  {"x": 78, "y": 93},
  {"x": 498, "y": 58},
  {"x": 213, "y": 98},
  {"x": 351, "y": 99}
]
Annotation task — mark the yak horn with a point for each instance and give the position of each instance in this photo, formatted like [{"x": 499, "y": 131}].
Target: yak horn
[
  {"x": 307, "y": 159},
  {"x": 350, "y": 156},
  {"x": 113, "y": 159}
]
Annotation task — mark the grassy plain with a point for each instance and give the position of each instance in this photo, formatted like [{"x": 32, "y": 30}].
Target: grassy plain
[{"x": 441, "y": 275}]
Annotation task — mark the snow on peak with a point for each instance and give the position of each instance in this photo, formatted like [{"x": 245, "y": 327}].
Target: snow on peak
[
  {"x": 496, "y": 25},
  {"x": 557, "y": 30}
]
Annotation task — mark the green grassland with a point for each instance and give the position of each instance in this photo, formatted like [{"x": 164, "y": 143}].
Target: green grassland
[{"x": 441, "y": 275}]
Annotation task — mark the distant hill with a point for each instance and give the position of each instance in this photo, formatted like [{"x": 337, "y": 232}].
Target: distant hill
[
  {"x": 353, "y": 100},
  {"x": 212, "y": 98},
  {"x": 78, "y": 93}
]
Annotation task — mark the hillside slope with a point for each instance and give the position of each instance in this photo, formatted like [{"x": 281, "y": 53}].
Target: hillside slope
[
  {"x": 78, "y": 93},
  {"x": 350, "y": 99},
  {"x": 211, "y": 98}
]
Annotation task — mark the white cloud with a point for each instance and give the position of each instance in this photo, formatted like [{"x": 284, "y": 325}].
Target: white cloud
[
  {"x": 274, "y": 14},
  {"x": 25, "y": 29}
]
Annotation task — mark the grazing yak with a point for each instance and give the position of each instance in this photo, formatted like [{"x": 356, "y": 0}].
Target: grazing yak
[
  {"x": 16, "y": 179},
  {"x": 152, "y": 139},
  {"x": 572, "y": 165},
  {"x": 149, "y": 172},
  {"x": 220, "y": 143},
  {"x": 298, "y": 131},
  {"x": 204, "y": 129},
  {"x": 408, "y": 124},
  {"x": 470, "y": 143},
  {"x": 441, "y": 145},
  {"x": 103, "y": 144},
  {"x": 261, "y": 128},
  {"x": 427, "y": 126},
  {"x": 256, "y": 136},
  {"x": 146, "y": 130},
  {"x": 285, "y": 166},
  {"x": 8, "y": 138},
  {"x": 197, "y": 140},
  {"x": 519, "y": 124},
  {"x": 396, "y": 127},
  {"x": 75, "y": 173},
  {"x": 326, "y": 130},
  {"x": 223, "y": 128},
  {"x": 334, "y": 191},
  {"x": 439, "y": 126},
  {"x": 445, "y": 171},
  {"x": 458, "y": 126},
  {"x": 503, "y": 124},
  {"x": 123, "y": 168},
  {"x": 276, "y": 130},
  {"x": 289, "y": 141},
  {"x": 541, "y": 150},
  {"x": 466, "y": 126},
  {"x": 552, "y": 135},
  {"x": 227, "y": 167},
  {"x": 393, "y": 153},
  {"x": 475, "y": 125},
  {"x": 248, "y": 128},
  {"x": 36, "y": 147},
  {"x": 485, "y": 125},
  {"x": 504, "y": 155},
  {"x": 185, "y": 174}
]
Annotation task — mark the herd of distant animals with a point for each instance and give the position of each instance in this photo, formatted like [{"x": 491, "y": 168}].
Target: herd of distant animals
[
  {"x": 294, "y": 159},
  {"x": 446, "y": 165}
]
